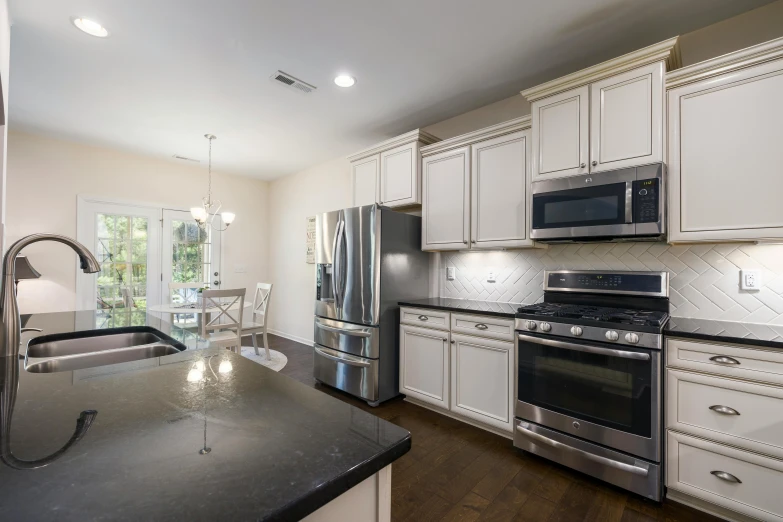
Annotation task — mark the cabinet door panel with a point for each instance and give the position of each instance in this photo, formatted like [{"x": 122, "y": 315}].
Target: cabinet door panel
[
  {"x": 400, "y": 176},
  {"x": 482, "y": 373},
  {"x": 499, "y": 184},
  {"x": 424, "y": 365},
  {"x": 446, "y": 208},
  {"x": 560, "y": 134},
  {"x": 725, "y": 156},
  {"x": 627, "y": 119},
  {"x": 364, "y": 178}
]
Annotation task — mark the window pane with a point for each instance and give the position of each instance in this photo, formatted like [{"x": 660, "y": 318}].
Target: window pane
[{"x": 140, "y": 229}]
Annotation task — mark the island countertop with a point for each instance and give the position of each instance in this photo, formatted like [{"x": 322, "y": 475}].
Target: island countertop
[{"x": 279, "y": 450}]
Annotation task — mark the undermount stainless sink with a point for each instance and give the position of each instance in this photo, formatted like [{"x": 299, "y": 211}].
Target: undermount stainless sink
[{"x": 80, "y": 350}]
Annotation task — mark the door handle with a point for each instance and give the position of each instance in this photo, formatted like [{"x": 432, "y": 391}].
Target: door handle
[
  {"x": 350, "y": 362},
  {"x": 639, "y": 356},
  {"x": 216, "y": 283},
  {"x": 724, "y": 360},
  {"x": 728, "y": 477},
  {"x": 724, "y": 410},
  {"x": 536, "y": 437},
  {"x": 629, "y": 201},
  {"x": 481, "y": 326},
  {"x": 423, "y": 318}
]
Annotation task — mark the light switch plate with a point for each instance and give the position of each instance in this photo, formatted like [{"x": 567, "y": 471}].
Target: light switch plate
[
  {"x": 450, "y": 273},
  {"x": 491, "y": 275},
  {"x": 750, "y": 279},
  {"x": 240, "y": 269}
]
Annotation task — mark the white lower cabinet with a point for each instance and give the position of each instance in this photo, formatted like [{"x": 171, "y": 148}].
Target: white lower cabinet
[
  {"x": 470, "y": 376},
  {"x": 482, "y": 380},
  {"x": 724, "y": 438},
  {"x": 424, "y": 368}
]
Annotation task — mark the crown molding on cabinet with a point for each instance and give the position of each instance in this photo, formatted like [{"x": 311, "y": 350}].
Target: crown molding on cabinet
[
  {"x": 765, "y": 52},
  {"x": 409, "y": 137},
  {"x": 507, "y": 127},
  {"x": 668, "y": 51}
]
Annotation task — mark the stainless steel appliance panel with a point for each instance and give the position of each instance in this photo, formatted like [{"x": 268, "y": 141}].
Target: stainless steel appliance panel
[
  {"x": 355, "y": 375},
  {"x": 627, "y": 472},
  {"x": 350, "y": 338}
]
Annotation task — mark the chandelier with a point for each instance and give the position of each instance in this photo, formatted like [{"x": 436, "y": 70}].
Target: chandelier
[{"x": 205, "y": 214}]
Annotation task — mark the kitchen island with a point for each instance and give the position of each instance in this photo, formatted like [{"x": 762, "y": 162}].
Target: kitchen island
[{"x": 203, "y": 434}]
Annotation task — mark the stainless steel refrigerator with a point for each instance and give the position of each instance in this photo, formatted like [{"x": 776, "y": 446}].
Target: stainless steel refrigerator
[{"x": 367, "y": 260}]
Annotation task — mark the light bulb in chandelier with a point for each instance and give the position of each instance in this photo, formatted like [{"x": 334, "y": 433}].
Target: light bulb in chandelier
[
  {"x": 228, "y": 217},
  {"x": 199, "y": 214}
]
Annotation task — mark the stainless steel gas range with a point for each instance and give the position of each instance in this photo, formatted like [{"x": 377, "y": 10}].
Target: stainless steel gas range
[{"x": 589, "y": 378}]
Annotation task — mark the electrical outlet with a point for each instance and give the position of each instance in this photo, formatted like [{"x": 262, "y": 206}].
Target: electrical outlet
[
  {"x": 450, "y": 273},
  {"x": 491, "y": 275},
  {"x": 750, "y": 279}
]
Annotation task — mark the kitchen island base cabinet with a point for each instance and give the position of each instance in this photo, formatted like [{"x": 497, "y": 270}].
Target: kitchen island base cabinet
[{"x": 368, "y": 501}]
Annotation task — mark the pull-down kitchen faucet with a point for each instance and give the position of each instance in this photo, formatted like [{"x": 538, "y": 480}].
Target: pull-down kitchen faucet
[{"x": 10, "y": 330}]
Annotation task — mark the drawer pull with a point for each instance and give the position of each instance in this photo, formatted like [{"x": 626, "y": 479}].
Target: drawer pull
[
  {"x": 724, "y": 360},
  {"x": 728, "y": 477},
  {"x": 423, "y": 318},
  {"x": 724, "y": 410},
  {"x": 482, "y": 326}
]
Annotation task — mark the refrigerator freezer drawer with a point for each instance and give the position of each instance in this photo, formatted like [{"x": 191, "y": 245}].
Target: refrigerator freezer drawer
[
  {"x": 355, "y": 375},
  {"x": 346, "y": 337}
]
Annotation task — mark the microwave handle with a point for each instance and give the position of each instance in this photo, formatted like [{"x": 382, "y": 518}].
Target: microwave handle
[
  {"x": 611, "y": 352},
  {"x": 629, "y": 202}
]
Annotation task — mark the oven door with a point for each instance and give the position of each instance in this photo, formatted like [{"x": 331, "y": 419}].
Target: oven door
[
  {"x": 599, "y": 205},
  {"x": 604, "y": 393}
]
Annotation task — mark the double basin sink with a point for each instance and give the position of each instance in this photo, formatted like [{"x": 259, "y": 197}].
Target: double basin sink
[{"x": 93, "y": 348}]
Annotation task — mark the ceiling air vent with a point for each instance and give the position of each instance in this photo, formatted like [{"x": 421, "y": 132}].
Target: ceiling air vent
[
  {"x": 177, "y": 156},
  {"x": 286, "y": 80}
]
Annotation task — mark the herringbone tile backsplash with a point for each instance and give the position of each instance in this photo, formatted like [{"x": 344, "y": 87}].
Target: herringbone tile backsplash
[{"x": 704, "y": 278}]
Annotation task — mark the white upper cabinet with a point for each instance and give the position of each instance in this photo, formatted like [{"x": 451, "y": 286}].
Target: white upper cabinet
[
  {"x": 626, "y": 126},
  {"x": 499, "y": 181},
  {"x": 476, "y": 189},
  {"x": 725, "y": 151},
  {"x": 364, "y": 180},
  {"x": 389, "y": 173},
  {"x": 606, "y": 117},
  {"x": 446, "y": 209},
  {"x": 561, "y": 142}
]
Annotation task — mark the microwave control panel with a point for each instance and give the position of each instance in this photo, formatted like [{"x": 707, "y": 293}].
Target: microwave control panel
[{"x": 646, "y": 200}]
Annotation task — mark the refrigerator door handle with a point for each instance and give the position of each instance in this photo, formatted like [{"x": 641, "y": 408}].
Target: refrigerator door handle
[
  {"x": 345, "y": 331},
  {"x": 343, "y": 263},
  {"x": 336, "y": 264}
]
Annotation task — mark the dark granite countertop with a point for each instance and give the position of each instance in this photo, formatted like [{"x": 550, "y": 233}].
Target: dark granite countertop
[
  {"x": 279, "y": 449},
  {"x": 767, "y": 335},
  {"x": 465, "y": 305}
]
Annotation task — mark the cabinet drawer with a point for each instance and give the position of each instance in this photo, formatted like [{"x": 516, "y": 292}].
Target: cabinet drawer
[
  {"x": 733, "y": 412},
  {"x": 483, "y": 326},
  {"x": 425, "y": 318},
  {"x": 731, "y": 360},
  {"x": 751, "y": 485}
]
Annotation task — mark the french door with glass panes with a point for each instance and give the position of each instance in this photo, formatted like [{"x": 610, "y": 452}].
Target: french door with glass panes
[
  {"x": 126, "y": 242},
  {"x": 189, "y": 253}
]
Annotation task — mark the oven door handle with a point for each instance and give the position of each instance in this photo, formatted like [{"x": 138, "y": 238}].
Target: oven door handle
[
  {"x": 636, "y": 470},
  {"x": 629, "y": 202},
  {"x": 611, "y": 352}
]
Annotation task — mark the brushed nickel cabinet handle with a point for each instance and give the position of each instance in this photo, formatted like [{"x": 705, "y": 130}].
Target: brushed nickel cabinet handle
[
  {"x": 482, "y": 326},
  {"x": 583, "y": 165},
  {"x": 445, "y": 339},
  {"x": 423, "y": 318},
  {"x": 724, "y": 360},
  {"x": 595, "y": 163},
  {"x": 728, "y": 477},
  {"x": 724, "y": 410}
]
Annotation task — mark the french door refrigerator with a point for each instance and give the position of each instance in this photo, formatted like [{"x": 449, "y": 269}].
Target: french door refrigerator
[{"x": 367, "y": 260}]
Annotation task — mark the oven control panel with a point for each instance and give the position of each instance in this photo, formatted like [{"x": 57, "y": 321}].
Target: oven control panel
[{"x": 645, "y": 200}]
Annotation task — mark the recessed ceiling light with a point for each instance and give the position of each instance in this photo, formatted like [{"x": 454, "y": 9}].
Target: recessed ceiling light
[
  {"x": 344, "y": 80},
  {"x": 91, "y": 27}
]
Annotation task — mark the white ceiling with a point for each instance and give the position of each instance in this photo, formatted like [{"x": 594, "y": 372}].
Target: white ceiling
[{"x": 174, "y": 70}]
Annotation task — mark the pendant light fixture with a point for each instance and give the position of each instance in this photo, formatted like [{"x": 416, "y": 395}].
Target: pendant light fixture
[{"x": 205, "y": 214}]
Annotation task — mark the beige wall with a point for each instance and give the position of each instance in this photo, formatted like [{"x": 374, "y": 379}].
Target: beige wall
[
  {"x": 292, "y": 199},
  {"x": 45, "y": 176}
]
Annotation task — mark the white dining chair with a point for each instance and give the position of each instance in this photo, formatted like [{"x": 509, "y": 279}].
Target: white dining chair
[
  {"x": 260, "y": 313},
  {"x": 224, "y": 326}
]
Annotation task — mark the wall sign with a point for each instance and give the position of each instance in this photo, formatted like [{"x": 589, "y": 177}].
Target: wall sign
[{"x": 311, "y": 240}]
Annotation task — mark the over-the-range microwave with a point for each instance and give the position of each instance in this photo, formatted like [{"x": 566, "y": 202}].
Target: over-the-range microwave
[{"x": 625, "y": 204}]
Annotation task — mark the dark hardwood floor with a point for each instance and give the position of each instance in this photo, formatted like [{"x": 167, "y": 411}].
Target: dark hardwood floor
[{"x": 456, "y": 472}]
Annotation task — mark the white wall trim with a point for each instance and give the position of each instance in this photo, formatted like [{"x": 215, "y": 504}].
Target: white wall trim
[
  {"x": 292, "y": 337},
  {"x": 409, "y": 137},
  {"x": 494, "y": 131}
]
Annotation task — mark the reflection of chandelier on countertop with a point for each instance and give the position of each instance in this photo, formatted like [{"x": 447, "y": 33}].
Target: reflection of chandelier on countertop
[{"x": 205, "y": 214}]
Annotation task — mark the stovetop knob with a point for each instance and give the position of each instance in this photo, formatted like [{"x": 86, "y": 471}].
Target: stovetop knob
[
  {"x": 546, "y": 327},
  {"x": 632, "y": 338},
  {"x": 576, "y": 331},
  {"x": 612, "y": 335},
  {"x": 531, "y": 325}
]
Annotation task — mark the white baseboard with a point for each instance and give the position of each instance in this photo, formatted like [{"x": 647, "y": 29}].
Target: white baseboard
[
  {"x": 707, "y": 507},
  {"x": 460, "y": 418},
  {"x": 292, "y": 337}
]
